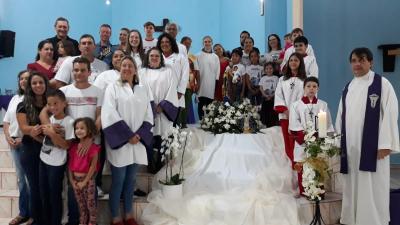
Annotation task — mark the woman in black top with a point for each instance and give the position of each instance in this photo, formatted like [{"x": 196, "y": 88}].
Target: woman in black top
[{"x": 29, "y": 123}]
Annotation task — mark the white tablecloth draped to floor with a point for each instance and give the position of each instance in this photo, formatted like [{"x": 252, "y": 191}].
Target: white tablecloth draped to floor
[{"x": 231, "y": 179}]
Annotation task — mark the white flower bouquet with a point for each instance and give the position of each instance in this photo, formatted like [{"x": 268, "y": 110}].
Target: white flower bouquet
[
  {"x": 315, "y": 166},
  {"x": 222, "y": 117}
]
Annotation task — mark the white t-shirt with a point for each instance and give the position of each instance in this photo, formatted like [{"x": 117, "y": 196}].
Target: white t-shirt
[
  {"x": 11, "y": 116},
  {"x": 254, "y": 72},
  {"x": 245, "y": 60},
  {"x": 268, "y": 84},
  {"x": 209, "y": 72},
  {"x": 64, "y": 74},
  {"x": 83, "y": 102},
  {"x": 147, "y": 45},
  {"x": 105, "y": 78},
  {"x": 52, "y": 155}
]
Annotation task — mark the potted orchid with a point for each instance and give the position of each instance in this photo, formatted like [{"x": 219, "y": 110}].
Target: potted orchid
[{"x": 173, "y": 149}]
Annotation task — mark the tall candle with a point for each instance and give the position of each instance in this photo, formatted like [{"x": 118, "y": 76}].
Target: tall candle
[{"x": 322, "y": 124}]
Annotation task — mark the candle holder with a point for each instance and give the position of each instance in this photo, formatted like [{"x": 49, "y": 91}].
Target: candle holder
[{"x": 317, "y": 219}]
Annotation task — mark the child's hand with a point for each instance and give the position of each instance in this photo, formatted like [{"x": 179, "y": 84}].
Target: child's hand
[
  {"x": 59, "y": 129},
  {"x": 84, "y": 146},
  {"x": 298, "y": 166},
  {"x": 286, "y": 113},
  {"x": 81, "y": 185},
  {"x": 48, "y": 130}
]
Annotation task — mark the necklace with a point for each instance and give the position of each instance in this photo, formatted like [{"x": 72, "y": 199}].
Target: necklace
[
  {"x": 292, "y": 82},
  {"x": 310, "y": 111}
]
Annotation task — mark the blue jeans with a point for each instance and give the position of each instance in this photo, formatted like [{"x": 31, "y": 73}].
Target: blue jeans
[
  {"x": 123, "y": 181},
  {"x": 22, "y": 183},
  {"x": 30, "y": 163},
  {"x": 51, "y": 185}
]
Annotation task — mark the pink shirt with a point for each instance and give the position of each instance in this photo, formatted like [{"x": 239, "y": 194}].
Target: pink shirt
[{"x": 81, "y": 164}]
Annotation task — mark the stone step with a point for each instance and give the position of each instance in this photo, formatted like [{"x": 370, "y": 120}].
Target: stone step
[
  {"x": 9, "y": 207},
  {"x": 6, "y": 160},
  {"x": 8, "y": 179}
]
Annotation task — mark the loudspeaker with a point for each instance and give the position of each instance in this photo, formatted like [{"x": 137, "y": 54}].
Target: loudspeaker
[{"x": 7, "y": 42}]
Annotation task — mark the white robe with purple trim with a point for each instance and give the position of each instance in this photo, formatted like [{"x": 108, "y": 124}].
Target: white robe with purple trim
[
  {"x": 180, "y": 65},
  {"x": 366, "y": 194},
  {"x": 122, "y": 105},
  {"x": 162, "y": 83}
]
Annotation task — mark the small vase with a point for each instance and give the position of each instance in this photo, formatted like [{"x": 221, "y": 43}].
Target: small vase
[{"x": 172, "y": 191}]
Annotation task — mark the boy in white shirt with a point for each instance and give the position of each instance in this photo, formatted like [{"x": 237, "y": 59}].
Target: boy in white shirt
[
  {"x": 149, "y": 41},
  {"x": 302, "y": 112},
  {"x": 310, "y": 62}
]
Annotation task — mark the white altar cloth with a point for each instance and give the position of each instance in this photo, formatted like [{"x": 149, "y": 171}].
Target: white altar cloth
[{"x": 231, "y": 179}]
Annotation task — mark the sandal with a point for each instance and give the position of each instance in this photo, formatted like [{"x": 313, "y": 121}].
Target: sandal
[{"x": 18, "y": 220}]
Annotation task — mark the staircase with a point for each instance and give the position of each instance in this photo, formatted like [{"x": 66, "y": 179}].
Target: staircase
[{"x": 330, "y": 207}]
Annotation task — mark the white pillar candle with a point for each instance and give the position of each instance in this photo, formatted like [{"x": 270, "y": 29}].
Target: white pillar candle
[{"x": 322, "y": 124}]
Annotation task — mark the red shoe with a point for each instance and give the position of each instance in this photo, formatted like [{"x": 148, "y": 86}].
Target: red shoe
[{"x": 130, "y": 221}]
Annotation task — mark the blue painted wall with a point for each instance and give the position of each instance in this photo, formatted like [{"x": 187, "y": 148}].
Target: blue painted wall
[
  {"x": 34, "y": 21},
  {"x": 222, "y": 19},
  {"x": 335, "y": 29},
  {"x": 239, "y": 15},
  {"x": 275, "y": 17}
]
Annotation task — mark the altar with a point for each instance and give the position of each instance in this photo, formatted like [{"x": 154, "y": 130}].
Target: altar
[{"x": 230, "y": 179}]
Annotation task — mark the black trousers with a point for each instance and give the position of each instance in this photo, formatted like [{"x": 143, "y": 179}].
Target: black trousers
[{"x": 203, "y": 101}]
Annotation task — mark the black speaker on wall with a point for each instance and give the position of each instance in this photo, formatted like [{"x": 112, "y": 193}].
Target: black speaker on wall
[{"x": 7, "y": 42}]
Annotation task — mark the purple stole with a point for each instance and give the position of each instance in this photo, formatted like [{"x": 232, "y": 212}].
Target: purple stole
[{"x": 369, "y": 146}]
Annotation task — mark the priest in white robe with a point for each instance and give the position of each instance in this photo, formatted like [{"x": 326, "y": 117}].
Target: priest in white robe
[{"x": 367, "y": 119}]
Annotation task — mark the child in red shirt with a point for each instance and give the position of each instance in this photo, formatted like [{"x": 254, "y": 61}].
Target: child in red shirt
[{"x": 83, "y": 165}]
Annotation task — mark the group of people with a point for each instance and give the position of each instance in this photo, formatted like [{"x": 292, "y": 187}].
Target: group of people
[{"x": 81, "y": 103}]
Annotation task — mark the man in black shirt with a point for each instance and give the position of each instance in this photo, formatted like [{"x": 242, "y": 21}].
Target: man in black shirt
[{"x": 61, "y": 27}]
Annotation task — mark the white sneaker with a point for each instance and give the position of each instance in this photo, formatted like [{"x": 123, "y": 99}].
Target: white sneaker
[{"x": 100, "y": 193}]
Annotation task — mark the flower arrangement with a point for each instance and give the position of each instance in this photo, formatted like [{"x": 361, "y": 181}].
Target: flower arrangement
[
  {"x": 315, "y": 166},
  {"x": 220, "y": 117},
  {"x": 173, "y": 146}
]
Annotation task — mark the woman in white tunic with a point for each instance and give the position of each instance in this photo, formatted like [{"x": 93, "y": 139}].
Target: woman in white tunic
[
  {"x": 135, "y": 47},
  {"x": 127, "y": 121},
  {"x": 110, "y": 76},
  {"x": 162, "y": 83},
  {"x": 178, "y": 63},
  {"x": 209, "y": 69}
]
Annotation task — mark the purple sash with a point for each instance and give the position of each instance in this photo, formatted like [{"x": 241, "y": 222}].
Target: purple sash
[{"x": 369, "y": 146}]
